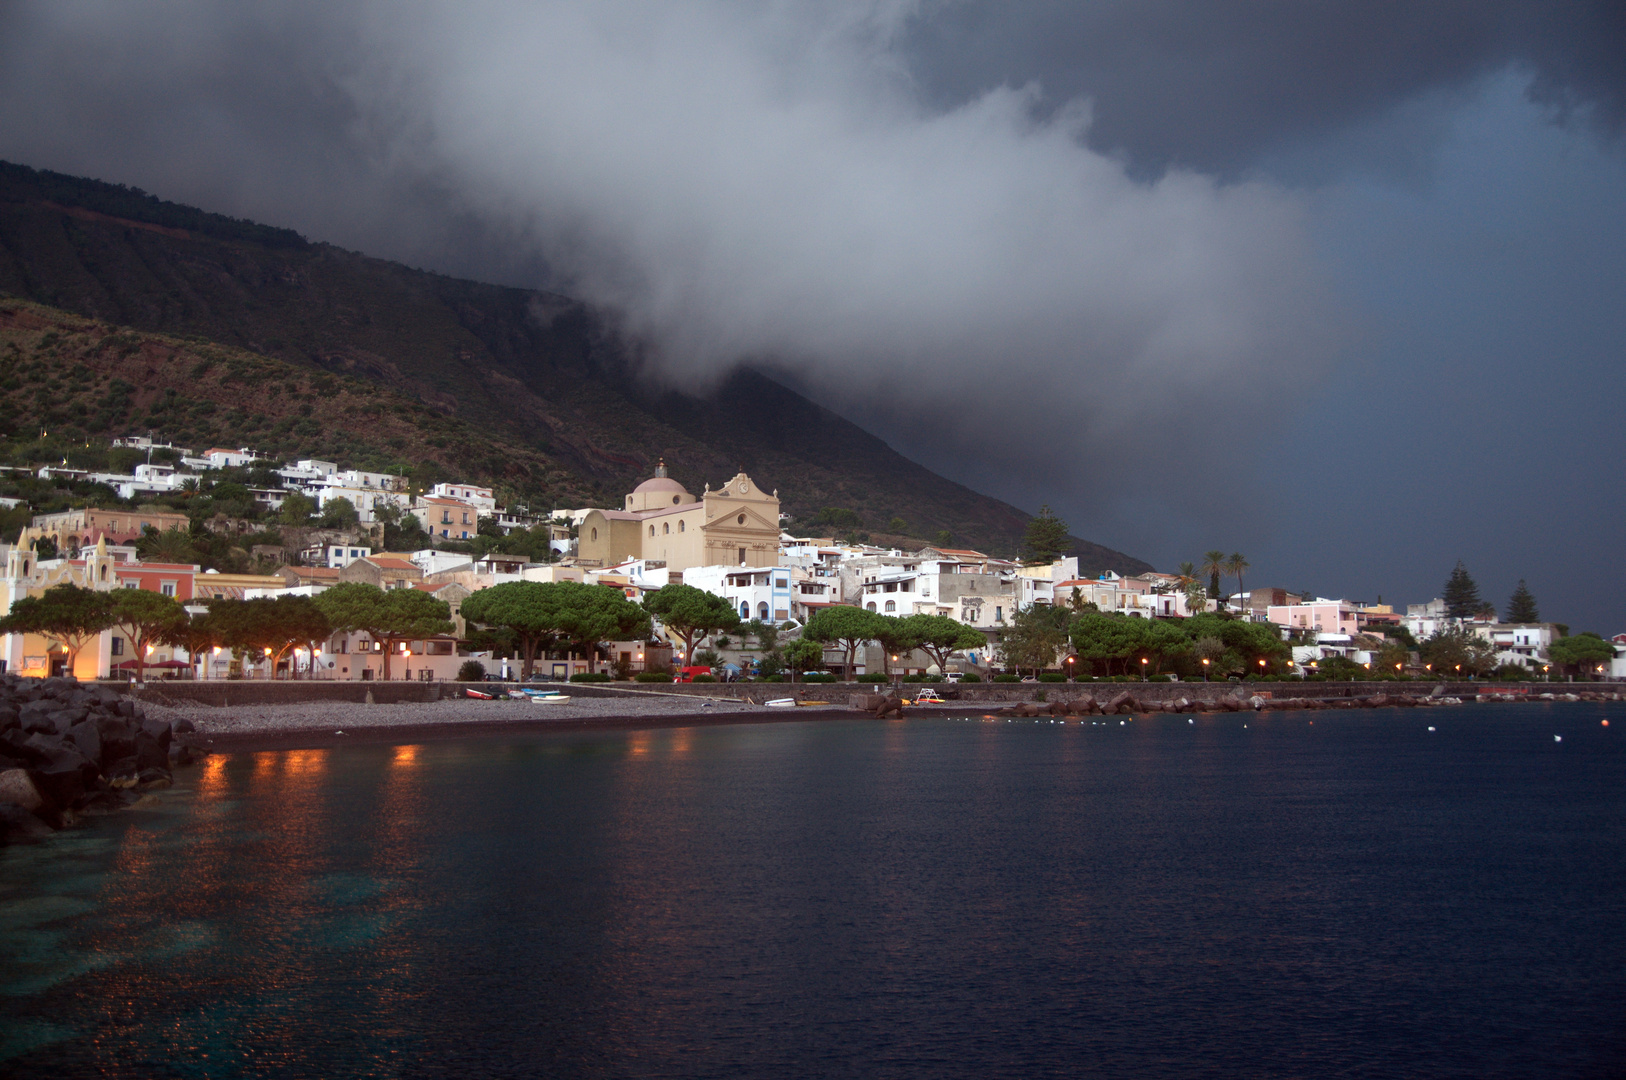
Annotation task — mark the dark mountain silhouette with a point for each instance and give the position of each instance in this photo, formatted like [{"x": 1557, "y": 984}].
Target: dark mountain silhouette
[{"x": 553, "y": 405}]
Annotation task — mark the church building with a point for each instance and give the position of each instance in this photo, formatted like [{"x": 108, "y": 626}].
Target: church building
[{"x": 734, "y": 525}]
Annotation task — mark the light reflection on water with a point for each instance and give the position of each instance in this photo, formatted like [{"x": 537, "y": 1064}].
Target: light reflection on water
[{"x": 932, "y": 898}]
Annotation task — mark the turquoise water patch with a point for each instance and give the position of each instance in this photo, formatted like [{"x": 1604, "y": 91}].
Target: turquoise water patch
[
  {"x": 31, "y": 979},
  {"x": 37, "y": 910},
  {"x": 348, "y": 888},
  {"x": 24, "y": 1036},
  {"x": 354, "y": 930}
]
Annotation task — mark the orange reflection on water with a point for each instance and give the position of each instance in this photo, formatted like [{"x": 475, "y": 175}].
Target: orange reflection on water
[
  {"x": 212, "y": 780},
  {"x": 405, "y": 756},
  {"x": 680, "y": 741},
  {"x": 265, "y": 762},
  {"x": 638, "y": 745},
  {"x": 305, "y": 762}
]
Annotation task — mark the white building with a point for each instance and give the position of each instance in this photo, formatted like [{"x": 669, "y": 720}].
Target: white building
[
  {"x": 1524, "y": 644},
  {"x": 337, "y": 555},
  {"x": 480, "y": 498}
]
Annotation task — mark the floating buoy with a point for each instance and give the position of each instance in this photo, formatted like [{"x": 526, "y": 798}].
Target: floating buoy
[
  {"x": 1431, "y": 727},
  {"x": 1189, "y": 720},
  {"x": 1120, "y": 723},
  {"x": 1606, "y": 723},
  {"x": 1558, "y": 738}
]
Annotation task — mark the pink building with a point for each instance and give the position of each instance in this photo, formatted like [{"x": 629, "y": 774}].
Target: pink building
[{"x": 1325, "y": 616}]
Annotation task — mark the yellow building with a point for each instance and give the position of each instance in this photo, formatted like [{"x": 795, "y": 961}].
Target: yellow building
[{"x": 734, "y": 525}]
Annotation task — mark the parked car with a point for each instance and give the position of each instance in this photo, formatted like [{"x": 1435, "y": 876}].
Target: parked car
[{"x": 954, "y": 676}]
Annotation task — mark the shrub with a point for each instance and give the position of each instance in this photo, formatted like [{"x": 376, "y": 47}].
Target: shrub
[
  {"x": 969, "y": 677},
  {"x": 704, "y": 678},
  {"x": 1052, "y": 676},
  {"x": 652, "y": 676},
  {"x": 471, "y": 671},
  {"x": 914, "y": 678},
  {"x": 590, "y": 676},
  {"x": 1040, "y": 696},
  {"x": 1160, "y": 678},
  {"x": 769, "y": 678},
  {"x": 1007, "y": 678},
  {"x": 872, "y": 678},
  {"x": 819, "y": 677}
]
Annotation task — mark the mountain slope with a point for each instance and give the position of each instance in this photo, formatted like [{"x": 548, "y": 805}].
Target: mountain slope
[{"x": 527, "y": 369}]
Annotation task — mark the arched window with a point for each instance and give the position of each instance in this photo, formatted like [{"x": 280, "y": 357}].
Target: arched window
[
  {"x": 872, "y": 605},
  {"x": 104, "y": 573},
  {"x": 891, "y": 605},
  {"x": 745, "y": 609},
  {"x": 680, "y": 526},
  {"x": 762, "y": 612},
  {"x": 595, "y": 534},
  {"x": 666, "y": 528},
  {"x": 652, "y": 530}
]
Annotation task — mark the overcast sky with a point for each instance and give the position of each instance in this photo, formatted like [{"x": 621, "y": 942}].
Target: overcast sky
[{"x": 1337, "y": 285}]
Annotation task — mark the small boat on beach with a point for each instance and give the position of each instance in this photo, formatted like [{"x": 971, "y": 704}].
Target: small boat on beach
[
  {"x": 477, "y": 694},
  {"x": 544, "y": 697},
  {"x": 781, "y": 703}
]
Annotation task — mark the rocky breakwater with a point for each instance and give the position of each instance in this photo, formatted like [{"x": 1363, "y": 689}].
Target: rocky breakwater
[
  {"x": 69, "y": 749},
  {"x": 1126, "y": 704}
]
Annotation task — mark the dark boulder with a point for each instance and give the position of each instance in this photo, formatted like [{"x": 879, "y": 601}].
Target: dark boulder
[
  {"x": 118, "y": 740},
  {"x": 158, "y": 730},
  {"x": 150, "y": 754},
  {"x": 87, "y": 738},
  {"x": 151, "y": 779},
  {"x": 183, "y": 726},
  {"x": 891, "y": 706},
  {"x": 18, "y": 826},
  {"x": 60, "y": 784},
  {"x": 18, "y": 788}
]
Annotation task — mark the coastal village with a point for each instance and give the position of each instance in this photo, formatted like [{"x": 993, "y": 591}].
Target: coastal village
[{"x": 729, "y": 541}]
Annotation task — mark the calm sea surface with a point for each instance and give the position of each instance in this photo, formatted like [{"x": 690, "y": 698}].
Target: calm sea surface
[{"x": 1357, "y": 896}]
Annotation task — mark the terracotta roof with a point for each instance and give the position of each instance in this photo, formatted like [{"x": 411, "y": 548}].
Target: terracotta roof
[
  {"x": 388, "y": 564},
  {"x": 316, "y": 571},
  {"x": 966, "y": 552}
]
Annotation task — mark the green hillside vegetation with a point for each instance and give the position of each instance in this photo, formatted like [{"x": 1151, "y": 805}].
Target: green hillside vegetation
[{"x": 540, "y": 378}]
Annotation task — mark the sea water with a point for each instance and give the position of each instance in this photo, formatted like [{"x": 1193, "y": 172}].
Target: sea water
[{"x": 1288, "y": 894}]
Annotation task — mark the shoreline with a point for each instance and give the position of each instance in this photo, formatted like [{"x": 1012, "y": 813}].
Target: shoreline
[{"x": 320, "y": 725}]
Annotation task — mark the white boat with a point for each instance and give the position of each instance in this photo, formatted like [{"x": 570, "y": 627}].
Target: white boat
[
  {"x": 549, "y": 699},
  {"x": 781, "y": 703}
]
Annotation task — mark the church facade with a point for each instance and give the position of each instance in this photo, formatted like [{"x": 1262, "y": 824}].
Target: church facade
[{"x": 734, "y": 525}]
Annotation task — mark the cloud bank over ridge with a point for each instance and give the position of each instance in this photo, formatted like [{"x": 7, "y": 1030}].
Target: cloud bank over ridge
[{"x": 764, "y": 185}]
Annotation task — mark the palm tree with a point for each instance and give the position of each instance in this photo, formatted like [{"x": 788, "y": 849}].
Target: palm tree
[
  {"x": 1187, "y": 573},
  {"x": 1236, "y": 564},
  {"x": 1213, "y": 566}
]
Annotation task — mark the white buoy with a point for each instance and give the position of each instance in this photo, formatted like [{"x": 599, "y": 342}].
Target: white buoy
[
  {"x": 1431, "y": 727},
  {"x": 1558, "y": 738},
  {"x": 1189, "y": 720},
  {"x": 1120, "y": 723}
]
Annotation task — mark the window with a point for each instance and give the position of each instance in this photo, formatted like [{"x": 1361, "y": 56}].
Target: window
[
  {"x": 117, "y": 647},
  {"x": 132, "y": 584},
  {"x": 652, "y": 530},
  {"x": 666, "y": 528},
  {"x": 999, "y": 614},
  {"x": 674, "y": 500},
  {"x": 745, "y": 609},
  {"x": 762, "y": 612},
  {"x": 872, "y": 605},
  {"x": 740, "y": 519},
  {"x": 445, "y": 517},
  {"x": 891, "y": 605},
  {"x": 595, "y": 534},
  {"x": 742, "y": 556},
  {"x": 680, "y": 526},
  {"x": 167, "y": 588}
]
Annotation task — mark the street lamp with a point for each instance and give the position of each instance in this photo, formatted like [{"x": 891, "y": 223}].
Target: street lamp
[
  {"x": 1143, "y": 662},
  {"x": 1205, "y": 669}
]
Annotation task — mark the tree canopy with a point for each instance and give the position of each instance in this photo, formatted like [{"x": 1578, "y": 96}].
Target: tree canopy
[
  {"x": 66, "y": 614},
  {"x": 940, "y": 636},
  {"x": 146, "y": 618},
  {"x": 527, "y": 609},
  {"x": 848, "y": 627},
  {"x": 1046, "y": 537},
  {"x": 1521, "y": 606},
  {"x": 1581, "y": 654},
  {"x": 1461, "y": 595},
  {"x": 268, "y": 626},
  {"x": 589, "y": 614},
  {"x": 387, "y": 616},
  {"x": 1457, "y": 650},
  {"x": 1035, "y": 635}
]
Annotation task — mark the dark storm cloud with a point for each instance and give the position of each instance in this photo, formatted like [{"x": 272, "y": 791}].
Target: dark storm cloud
[
  {"x": 1066, "y": 252},
  {"x": 1213, "y": 86}
]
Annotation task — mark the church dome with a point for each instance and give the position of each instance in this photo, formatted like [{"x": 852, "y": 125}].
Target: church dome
[{"x": 660, "y": 482}]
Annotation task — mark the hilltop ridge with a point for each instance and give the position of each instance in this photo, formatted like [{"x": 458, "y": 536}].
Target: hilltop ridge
[{"x": 545, "y": 397}]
